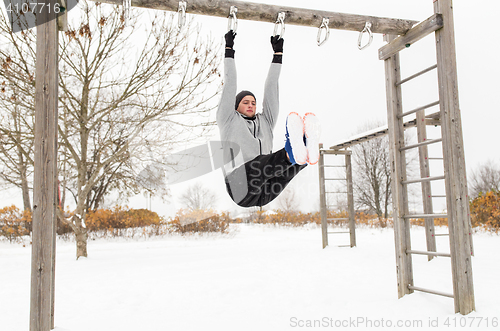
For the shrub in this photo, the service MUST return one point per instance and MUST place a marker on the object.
(14, 223)
(485, 211)
(116, 222)
(196, 221)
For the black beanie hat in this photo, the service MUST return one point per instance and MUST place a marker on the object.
(240, 97)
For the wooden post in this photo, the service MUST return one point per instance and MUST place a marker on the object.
(350, 199)
(423, 153)
(268, 13)
(322, 197)
(398, 173)
(454, 162)
(45, 177)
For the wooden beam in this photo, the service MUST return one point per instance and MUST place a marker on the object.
(457, 199)
(350, 199)
(433, 23)
(398, 174)
(268, 13)
(45, 176)
(322, 198)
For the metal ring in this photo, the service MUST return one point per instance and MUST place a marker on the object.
(232, 23)
(324, 25)
(280, 22)
(368, 30)
(182, 13)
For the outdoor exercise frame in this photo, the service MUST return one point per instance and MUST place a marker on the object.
(46, 103)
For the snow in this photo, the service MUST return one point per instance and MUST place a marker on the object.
(255, 278)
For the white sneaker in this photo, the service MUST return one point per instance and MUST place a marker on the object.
(294, 146)
(312, 129)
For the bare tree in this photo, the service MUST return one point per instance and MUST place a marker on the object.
(372, 176)
(198, 197)
(287, 201)
(127, 93)
(484, 178)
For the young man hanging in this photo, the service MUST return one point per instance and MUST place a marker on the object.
(254, 175)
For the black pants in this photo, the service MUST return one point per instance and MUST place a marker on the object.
(261, 180)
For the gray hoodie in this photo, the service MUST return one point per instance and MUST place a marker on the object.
(253, 136)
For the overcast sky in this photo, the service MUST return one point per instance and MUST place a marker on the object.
(345, 87)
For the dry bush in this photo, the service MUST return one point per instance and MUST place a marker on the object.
(14, 223)
(485, 211)
(123, 222)
(199, 221)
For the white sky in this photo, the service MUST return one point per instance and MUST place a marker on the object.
(345, 87)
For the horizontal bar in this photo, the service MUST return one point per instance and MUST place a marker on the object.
(337, 219)
(430, 291)
(426, 216)
(435, 158)
(441, 234)
(432, 104)
(344, 246)
(438, 196)
(333, 151)
(433, 23)
(428, 253)
(268, 13)
(423, 143)
(422, 180)
(337, 232)
(335, 178)
(420, 73)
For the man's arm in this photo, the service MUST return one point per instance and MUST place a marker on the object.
(271, 89)
(226, 104)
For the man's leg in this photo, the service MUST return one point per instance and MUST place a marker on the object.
(264, 177)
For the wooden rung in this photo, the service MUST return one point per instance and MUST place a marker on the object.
(430, 291)
(417, 75)
(337, 232)
(438, 196)
(422, 180)
(337, 219)
(441, 234)
(428, 253)
(423, 143)
(435, 103)
(426, 216)
(435, 158)
(344, 246)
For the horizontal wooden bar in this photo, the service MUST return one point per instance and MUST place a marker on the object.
(426, 216)
(335, 151)
(420, 73)
(338, 232)
(422, 180)
(414, 288)
(435, 158)
(441, 234)
(268, 13)
(344, 246)
(438, 196)
(433, 23)
(423, 143)
(428, 253)
(435, 103)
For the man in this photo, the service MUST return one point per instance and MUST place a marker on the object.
(254, 175)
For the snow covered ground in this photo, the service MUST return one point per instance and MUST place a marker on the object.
(257, 278)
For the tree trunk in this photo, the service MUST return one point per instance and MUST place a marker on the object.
(81, 242)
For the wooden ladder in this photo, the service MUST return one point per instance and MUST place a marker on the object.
(348, 191)
(454, 177)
